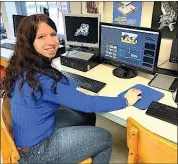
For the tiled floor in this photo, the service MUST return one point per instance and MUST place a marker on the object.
(120, 150)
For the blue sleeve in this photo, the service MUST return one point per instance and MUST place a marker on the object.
(68, 96)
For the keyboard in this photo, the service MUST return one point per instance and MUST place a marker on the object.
(84, 82)
(8, 46)
(163, 112)
(165, 71)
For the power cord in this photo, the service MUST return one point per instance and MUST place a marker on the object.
(163, 63)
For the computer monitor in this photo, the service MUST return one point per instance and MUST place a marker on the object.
(130, 48)
(16, 22)
(81, 30)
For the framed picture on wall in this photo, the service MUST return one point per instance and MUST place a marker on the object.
(165, 18)
(92, 7)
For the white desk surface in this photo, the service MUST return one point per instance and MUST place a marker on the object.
(113, 87)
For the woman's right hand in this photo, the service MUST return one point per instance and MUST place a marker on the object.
(132, 96)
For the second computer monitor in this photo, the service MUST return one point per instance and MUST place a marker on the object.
(81, 30)
(131, 47)
(17, 19)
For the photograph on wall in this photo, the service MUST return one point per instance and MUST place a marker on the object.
(127, 13)
(92, 7)
(165, 18)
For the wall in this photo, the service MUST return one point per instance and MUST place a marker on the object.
(76, 7)
(146, 19)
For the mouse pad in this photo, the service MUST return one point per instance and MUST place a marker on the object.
(148, 95)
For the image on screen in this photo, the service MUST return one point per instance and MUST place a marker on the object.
(131, 47)
(81, 29)
(129, 38)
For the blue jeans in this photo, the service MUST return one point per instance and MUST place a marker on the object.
(72, 141)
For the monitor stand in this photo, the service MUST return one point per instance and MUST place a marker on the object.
(124, 72)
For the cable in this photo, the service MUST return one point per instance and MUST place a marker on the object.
(162, 63)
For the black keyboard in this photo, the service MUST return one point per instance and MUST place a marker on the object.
(84, 82)
(8, 46)
(165, 71)
(163, 112)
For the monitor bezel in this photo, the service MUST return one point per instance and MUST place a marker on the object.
(119, 63)
(81, 44)
(13, 18)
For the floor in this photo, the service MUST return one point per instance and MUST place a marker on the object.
(120, 150)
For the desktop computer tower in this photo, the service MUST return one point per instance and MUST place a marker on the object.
(80, 64)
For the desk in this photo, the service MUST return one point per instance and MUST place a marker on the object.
(113, 87)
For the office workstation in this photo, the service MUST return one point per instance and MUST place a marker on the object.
(110, 59)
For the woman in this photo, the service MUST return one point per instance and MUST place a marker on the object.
(43, 133)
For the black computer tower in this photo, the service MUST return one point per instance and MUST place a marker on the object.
(79, 64)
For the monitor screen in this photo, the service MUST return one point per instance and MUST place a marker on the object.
(133, 47)
(81, 30)
(16, 22)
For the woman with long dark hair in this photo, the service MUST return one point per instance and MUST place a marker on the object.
(44, 133)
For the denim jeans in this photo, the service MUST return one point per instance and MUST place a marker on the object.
(73, 140)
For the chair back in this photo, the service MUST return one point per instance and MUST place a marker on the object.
(9, 151)
(147, 147)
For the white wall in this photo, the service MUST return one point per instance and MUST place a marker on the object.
(146, 19)
(76, 7)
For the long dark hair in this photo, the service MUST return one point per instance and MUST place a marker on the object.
(26, 59)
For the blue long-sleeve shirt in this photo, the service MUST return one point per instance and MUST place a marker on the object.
(33, 120)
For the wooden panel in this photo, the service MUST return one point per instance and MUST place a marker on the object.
(8, 148)
(150, 148)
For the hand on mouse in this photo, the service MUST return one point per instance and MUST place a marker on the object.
(132, 96)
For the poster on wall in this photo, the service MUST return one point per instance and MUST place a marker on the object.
(127, 13)
(165, 18)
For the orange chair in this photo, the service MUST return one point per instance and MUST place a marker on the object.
(9, 151)
(147, 147)
(2, 72)
(3, 65)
